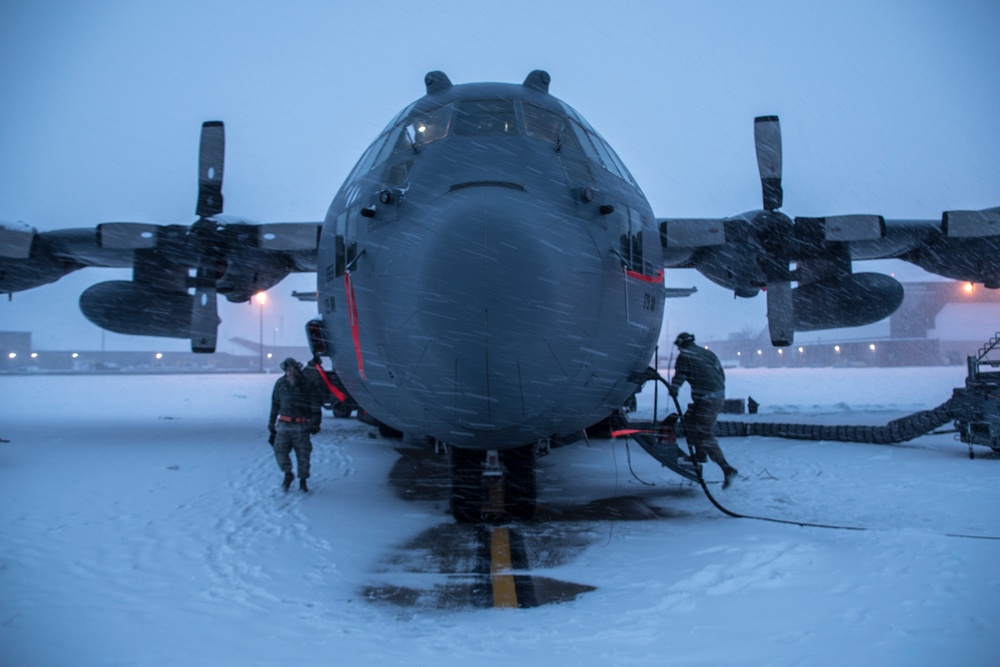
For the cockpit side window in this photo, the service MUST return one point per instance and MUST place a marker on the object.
(548, 126)
(600, 152)
(542, 124)
(586, 144)
(425, 127)
(368, 159)
(397, 143)
(486, 118)
(611, 159)
(611, 164)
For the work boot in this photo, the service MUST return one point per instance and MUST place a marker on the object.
(287, 482)
(302, 485)
(731, 474)
(698, 457)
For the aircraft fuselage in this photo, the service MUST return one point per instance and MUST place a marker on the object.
(490, 273)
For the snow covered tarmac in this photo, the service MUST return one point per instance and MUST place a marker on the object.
(142, 525)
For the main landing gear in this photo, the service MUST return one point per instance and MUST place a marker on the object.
(493, 485)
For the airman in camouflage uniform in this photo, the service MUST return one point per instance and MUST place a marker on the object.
(295, 414)
(701, 368)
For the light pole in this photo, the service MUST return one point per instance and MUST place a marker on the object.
(261, 300)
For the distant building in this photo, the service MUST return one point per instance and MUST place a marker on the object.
(18, 356)
(938, 323)
(15, 346)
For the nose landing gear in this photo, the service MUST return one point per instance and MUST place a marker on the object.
(493, 486)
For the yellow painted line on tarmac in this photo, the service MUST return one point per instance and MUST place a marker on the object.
(504, 592)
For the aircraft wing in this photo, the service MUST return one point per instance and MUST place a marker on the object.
(754, 251)
(177, 270)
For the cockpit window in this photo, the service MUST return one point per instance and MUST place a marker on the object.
(586, 144)
(486, 118)
(610, 163)
(398, 117)
(548, 126)
(542, 124)
(396, 143)
(600, 152)
(428, 126)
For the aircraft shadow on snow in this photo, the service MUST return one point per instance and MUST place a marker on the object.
(458, 566)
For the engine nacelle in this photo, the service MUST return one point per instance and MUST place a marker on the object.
(127, 308)
(850, 300)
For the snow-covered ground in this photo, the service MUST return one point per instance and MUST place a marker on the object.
(142, 524)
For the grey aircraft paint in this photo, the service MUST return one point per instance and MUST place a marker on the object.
(506, 280)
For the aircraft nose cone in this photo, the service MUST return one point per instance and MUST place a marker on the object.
(489, 298)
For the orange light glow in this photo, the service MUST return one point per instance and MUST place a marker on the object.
(261, 297)
(969, 288)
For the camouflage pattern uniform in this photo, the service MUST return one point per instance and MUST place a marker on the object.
(702, 369)
(295, 414)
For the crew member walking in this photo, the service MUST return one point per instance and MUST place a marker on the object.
(295, 414)
(701, 368)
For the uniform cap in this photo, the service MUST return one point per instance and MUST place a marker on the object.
(684, 339)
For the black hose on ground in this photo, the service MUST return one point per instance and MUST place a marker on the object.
(896, 431)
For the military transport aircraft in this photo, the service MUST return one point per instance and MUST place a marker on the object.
(490, 275)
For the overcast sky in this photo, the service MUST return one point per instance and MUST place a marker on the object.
(886, 107)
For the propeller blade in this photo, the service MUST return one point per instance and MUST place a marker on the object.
(211, 161)
(780, 313)
(204, 308)
(767, 137)
(204, 321)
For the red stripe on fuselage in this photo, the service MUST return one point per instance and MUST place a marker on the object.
(658, 278)
(352, 310)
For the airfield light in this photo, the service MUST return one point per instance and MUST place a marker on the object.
(801, 350)
(872, 347)
(739, 354)
(75, 355)
(12, 355)
(760, 352)
(780, 351)
(969, 288)
(261, 300)
(836, 348)
(269, 355)
(34, 355)
(159, 355)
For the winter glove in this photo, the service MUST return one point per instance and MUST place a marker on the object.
(314, 429)
(270, 440)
